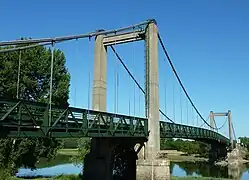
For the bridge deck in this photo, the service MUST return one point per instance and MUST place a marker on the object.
(20, 118)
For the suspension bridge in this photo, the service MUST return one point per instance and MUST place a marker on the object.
(20, 117)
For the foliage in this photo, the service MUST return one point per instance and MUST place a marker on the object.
(5, 174)
(196, 178)
(84, 146)
(67, 152)
(70, 143)
(190, 147)
(33, 86)
(244, 142)
(60, 177)
(69, 177)
(34, 75)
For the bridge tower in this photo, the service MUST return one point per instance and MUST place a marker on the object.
(150, 167)
(228, 114)
(211, 117)
(151, 90)
(101, 155)
(99, 78)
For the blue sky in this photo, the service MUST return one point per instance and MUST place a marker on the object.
(207, 40)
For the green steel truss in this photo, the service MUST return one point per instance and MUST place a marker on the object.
(170, 130)
(30, 119)
(20, 118)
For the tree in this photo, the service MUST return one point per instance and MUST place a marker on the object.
(34, 75)
(33, 86)
(190, 147)
(84, 145)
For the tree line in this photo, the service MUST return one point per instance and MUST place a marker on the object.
(189, 147)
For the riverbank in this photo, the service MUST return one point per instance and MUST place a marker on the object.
(68, 152)
(181, 165)
(77, 177)
(61, 177)
(196, 178)
(177, 156)
(172, 155)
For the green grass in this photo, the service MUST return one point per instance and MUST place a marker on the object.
(77, 177)
(68, 152)
(196, 178)
(61, 177)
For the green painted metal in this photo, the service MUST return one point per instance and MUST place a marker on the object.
(20, 118)
(170, 130)
(30, 119)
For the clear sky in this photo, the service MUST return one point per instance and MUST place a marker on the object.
(208, 42)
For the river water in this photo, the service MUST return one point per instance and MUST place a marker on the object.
(62, 165)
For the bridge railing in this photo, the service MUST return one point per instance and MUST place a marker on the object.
(19, 118)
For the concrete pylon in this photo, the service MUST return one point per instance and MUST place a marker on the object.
(152, 93)
(99, 78)
(211, 117)
(97, 163)
(230, 130)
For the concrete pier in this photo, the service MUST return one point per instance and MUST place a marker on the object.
(156, 169)
(111, 158)
(98, 164)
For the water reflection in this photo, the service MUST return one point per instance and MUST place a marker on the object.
(62, 165)
(59, 159)
(50, 171)
(208, 170)
(201, 169)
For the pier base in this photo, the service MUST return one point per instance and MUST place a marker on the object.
(111, 159)
(156, 169)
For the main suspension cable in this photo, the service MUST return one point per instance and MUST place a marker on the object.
(71, 37)
(23, 47)
(180, 82)
(139, 86)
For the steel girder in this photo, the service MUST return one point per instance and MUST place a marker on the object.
(20, 118)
